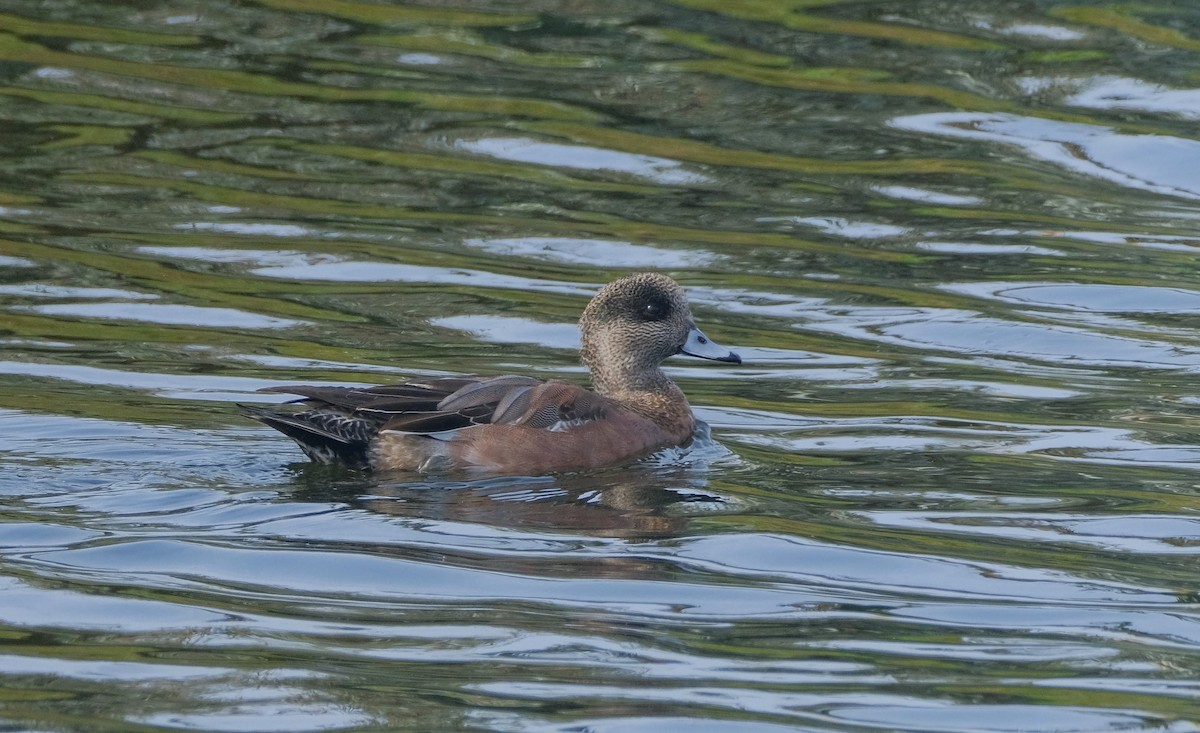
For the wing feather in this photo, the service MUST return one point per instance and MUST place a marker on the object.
(488, 392)
(513, 405)
(340, 423)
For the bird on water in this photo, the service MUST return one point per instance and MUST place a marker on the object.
(519, 424)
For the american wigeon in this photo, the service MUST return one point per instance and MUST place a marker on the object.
(517, 424)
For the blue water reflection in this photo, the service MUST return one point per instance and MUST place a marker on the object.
(952, 486)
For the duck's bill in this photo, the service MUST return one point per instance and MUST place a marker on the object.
(698, 344)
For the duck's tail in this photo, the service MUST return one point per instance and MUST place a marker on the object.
(324, 437)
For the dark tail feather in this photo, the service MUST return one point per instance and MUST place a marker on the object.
(314, 435)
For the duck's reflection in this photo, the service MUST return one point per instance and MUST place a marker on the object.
(634, 503)
(647, 500)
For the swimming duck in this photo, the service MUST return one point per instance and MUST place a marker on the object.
(518, 424)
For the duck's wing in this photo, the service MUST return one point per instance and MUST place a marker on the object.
(450, 404)
(507, 400)
(554, 406)
(410, 396)
(337, 424)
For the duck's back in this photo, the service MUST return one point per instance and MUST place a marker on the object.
(509, 424)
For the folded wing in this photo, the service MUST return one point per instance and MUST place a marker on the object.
(338, 424)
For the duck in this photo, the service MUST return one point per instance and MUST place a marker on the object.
(513, 424)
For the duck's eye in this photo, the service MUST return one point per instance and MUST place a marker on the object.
(653, 310)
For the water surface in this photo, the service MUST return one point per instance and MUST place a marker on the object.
(953, 487)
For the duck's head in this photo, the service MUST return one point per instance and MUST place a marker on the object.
(635, 323)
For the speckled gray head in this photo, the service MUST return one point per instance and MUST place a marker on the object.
(634, 323)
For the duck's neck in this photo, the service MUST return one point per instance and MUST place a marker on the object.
(617, 371)
(647, 391)
(616, 382)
